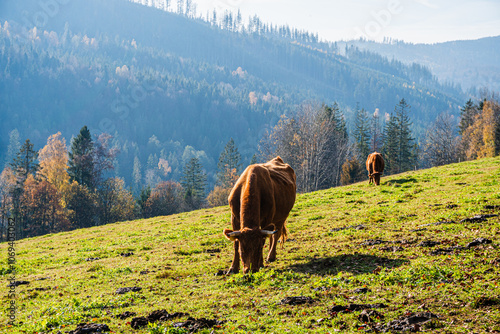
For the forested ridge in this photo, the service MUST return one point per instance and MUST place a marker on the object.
(187, 82)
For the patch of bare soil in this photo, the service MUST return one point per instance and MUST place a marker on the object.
(155, 316)
(478, 218)
(428, 243)
(193, 325)
(296, 300)
(84, 328)
(392, 249)
(478, 241)
(353, 227)
(121, 291)
(447, 251)
(17, 283)
(411, 322)
(372, 242)
(125, 315)
(353, 307)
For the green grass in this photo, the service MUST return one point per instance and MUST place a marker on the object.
(176, 258)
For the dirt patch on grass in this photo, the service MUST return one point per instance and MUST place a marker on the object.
(411, 322)
(428, 243)
(84, 328)
(353, 307)
(125, 315)
(121, 291)
(478, 218)
(193, 325)
(155, 316)
(478, 241)
(352, 227)
(296, 300)
(355, 263)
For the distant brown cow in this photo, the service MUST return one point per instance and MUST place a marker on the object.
(260, 202)
(375, 167)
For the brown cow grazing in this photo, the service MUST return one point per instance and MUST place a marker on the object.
(260, 202)
(375, 167)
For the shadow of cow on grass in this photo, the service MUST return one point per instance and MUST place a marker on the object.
(354, 263)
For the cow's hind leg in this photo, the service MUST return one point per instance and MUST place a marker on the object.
(271, 257)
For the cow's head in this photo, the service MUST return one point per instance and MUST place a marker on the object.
(251, 243)
(376, 178)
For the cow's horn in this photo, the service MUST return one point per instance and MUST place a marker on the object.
(266, 232)
(234, 234)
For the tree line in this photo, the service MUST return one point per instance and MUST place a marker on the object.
(57, 189)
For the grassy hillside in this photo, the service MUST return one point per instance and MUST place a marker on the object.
(374, 239)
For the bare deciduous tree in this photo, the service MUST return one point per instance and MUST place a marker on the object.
(313, 143)
(442, 143)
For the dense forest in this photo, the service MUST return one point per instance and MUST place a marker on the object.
(165, 97)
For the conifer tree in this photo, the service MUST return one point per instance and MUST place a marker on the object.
(193, 181)
(81, 159)
(390, 146)
(229, 162)
(467, 114)
(25, 162)
(361, 133)
(399, 147)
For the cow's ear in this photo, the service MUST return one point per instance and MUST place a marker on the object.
(230, 234)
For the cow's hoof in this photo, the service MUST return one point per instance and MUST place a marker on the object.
(231, 271)
(269, 260)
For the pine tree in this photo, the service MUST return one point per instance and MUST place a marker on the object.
(390, 146)
(467, 114)
(361, 133)
(193, 181)
(25, 162)
(399, 149)
(407, 147)
(81, 159)
(229, 162)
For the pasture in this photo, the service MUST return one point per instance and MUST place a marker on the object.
(421, 252)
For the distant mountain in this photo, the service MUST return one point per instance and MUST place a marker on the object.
(470, 63)
(170, 87)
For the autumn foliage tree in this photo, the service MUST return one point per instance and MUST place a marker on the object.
(482, 137)
(53, 159)
(165, 199)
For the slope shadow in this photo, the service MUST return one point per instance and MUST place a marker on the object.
(401, 181)
(353, 263)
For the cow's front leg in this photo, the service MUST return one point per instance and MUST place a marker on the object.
(235, 266)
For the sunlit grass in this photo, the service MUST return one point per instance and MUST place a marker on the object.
(331, 252)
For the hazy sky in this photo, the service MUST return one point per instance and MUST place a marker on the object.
(418, 21)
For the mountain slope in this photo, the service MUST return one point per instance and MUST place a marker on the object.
(472, 64)
(170, 87)
(405, 242)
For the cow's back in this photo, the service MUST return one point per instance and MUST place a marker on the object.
(263, 191)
